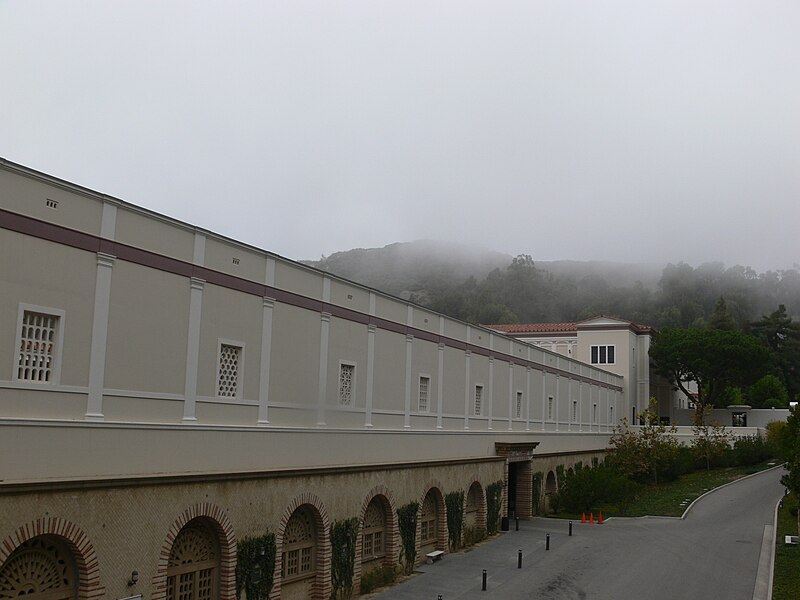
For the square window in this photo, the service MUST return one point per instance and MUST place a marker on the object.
(38, 344)
(347, 377)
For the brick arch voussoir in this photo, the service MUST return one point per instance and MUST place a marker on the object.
(227, 545)
(322, 581)
(82, 549)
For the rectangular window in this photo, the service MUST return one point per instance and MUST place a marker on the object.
(574, 411)
(611, 415)
(347, 378)
(478, 399)
(518, 411)
(549, 408)
(38, 344)
(230, 364)
(603, 355)
(424, 387)
(594, 413)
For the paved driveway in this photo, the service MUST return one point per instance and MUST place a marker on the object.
(713, 553)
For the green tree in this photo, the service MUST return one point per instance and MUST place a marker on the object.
(768, 392)
(781, 335)
(711, 441)
(644, 451)
(721, 318)
(712, 358)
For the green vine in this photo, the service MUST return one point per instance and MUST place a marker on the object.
(538, 477)
(255, 566)
(407, 523)
(494, 502)
(455, 517)
(579, 466)
(560, 474)
(343, 557)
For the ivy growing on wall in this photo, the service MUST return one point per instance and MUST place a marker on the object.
(255, 566)
(560, 474)
(538, 478)
(407, 523)
(494, 502)
(455, 517)
(343, 557)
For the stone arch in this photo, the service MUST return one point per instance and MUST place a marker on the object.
(321, 586)
(570, 472)
(76, 541)
(218, 522)
(550, 487)
(436, 527)
(391, 547)
(475, 506)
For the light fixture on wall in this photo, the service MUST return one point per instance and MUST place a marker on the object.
(134, 578)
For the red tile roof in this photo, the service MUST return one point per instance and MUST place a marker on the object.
(534, 327)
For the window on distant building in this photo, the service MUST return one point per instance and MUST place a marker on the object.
(549, 408)
(38, 345)
(611, 415)
(594, 413)
(603, 355)
(518, 411)
(478, 399)
(230, 365)
(347, 383)
(574, 411)
(424, 392)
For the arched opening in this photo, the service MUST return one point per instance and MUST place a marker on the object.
(299, 555)
(550, 487)
(432, 532)
(474, 514)
(570, 472)
(41, 568)
(375, 534)
(193, 566)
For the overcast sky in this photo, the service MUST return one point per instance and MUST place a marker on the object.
(636, 131)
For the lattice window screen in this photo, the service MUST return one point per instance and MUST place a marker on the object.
(478, 399)
(229, 364)
(424, 387)
(37, 347)
(346, 379)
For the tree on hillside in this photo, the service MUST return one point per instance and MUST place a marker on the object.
(782, 336)
(713, 358)
(721, 318)
(768, 392)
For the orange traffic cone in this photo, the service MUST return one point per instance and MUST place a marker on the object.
(583, 517)
(591, 518)
(600, 518)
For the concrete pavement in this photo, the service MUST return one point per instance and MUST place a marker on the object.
(713, 553)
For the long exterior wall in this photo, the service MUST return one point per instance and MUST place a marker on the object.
(182, 374)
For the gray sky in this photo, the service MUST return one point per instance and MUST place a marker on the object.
(634, 131)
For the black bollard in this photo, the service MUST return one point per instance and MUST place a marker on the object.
(483, 587)
(439, 597)
(570, 529)
(519, 559)
(547, 543)
(517, 519)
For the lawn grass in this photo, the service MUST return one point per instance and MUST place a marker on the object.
(786, 583)
(668, 499)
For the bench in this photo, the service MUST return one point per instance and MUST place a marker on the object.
(434, 556)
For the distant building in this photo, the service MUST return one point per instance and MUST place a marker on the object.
(611, 343)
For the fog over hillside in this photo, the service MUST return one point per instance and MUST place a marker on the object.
(483, 286)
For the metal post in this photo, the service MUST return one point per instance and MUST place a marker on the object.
(570, 529)
(519, 559)
(483, 588)
(517, 519)
(439, 597)
(547, 544)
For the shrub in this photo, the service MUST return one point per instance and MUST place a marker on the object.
(455, 518)
(778, 439)
(407, 522)
(473, 535)
(255, 563)
(750, 450)
(378, 578)
(343, 556)
(587, 488)
(494, 502)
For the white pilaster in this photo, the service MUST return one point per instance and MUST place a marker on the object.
(266, 360)
(193, 347)
(557, 394)
(370, 374)
(528, 396)
(491, 390)
(325, 327)
(511, 397)
(544, 397)
(407, 396)
(440, 388)
(97, 356)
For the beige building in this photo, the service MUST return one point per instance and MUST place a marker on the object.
(613, 344)
(167, 392)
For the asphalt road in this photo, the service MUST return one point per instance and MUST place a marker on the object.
(713, 553)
